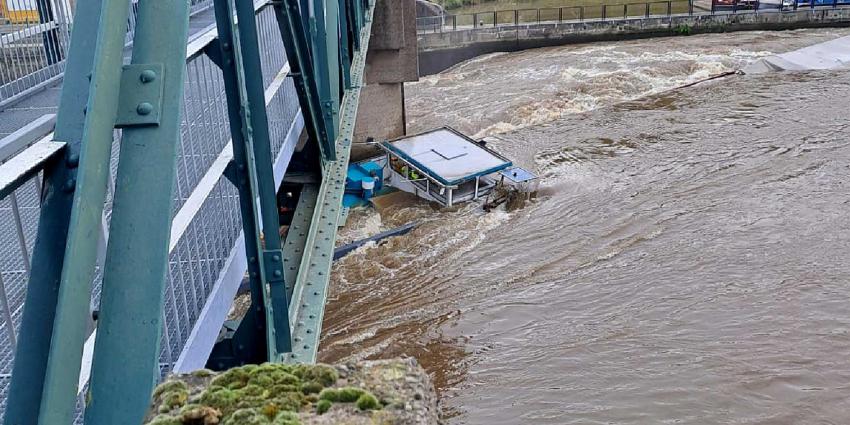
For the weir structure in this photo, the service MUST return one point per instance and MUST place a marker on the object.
(187, 133)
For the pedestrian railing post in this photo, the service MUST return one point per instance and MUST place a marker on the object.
(604, 11)
(647, 10)
(560, 14)
(669, 9)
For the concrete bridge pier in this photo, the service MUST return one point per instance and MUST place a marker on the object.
(392, 60)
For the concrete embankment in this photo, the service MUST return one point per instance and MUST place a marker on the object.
(439, 51)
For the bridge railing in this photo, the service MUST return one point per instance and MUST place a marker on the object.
(206, 260)
(34, 44)
(612, 12)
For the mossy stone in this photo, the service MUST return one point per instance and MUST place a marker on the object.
(165, 420)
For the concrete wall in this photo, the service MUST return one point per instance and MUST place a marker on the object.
(439, 51)
(391, 61)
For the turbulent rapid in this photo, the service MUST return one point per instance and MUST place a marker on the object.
(685, 261)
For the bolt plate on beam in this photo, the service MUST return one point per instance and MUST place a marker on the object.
(140, 102)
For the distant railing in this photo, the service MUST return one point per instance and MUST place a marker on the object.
(612, 12)
(33, 45)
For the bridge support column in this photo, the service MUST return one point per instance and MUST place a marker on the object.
(392, 60)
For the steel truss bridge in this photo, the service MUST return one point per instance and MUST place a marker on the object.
(130, 218)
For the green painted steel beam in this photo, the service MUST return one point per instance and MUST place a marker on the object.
(344, 54)
(72, 309)
(296, 40)
(278, 338)
(125, 365)
(239, 57)
(296, 235)
(311, 287)
(222, 54)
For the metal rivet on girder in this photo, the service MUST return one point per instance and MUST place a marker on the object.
(309, 331)
(253, 259)
(276, 258)
(144, 108)
(306, 347)
(147, 76)
(73, 161)
(277, 273)
(69, 185)
(253, 274)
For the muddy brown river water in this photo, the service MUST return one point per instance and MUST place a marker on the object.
(686, 262)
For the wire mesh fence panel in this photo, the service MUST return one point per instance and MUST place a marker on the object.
(506, 17)
(574, 13)
(528, 16)
(549, 14)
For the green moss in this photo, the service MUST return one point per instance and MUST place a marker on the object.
(247, 417)
(173, 399)
(323, 374)
(312, 388)
(202, 373)
(367, 401)
(220, 398)
(253, 390)
(349, 394)
(322, 406)
(165, 420)
(169, 386)
(329, 394)
(286, 418)
(289, 401)
(233, 379)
